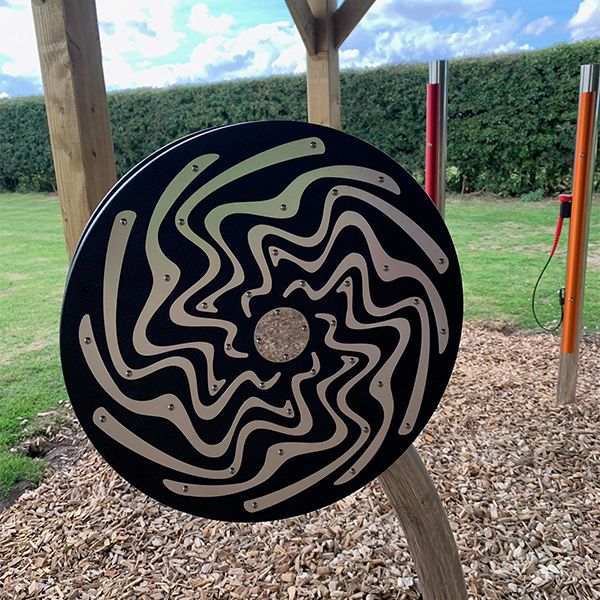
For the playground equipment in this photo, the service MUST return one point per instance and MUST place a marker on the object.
(70, 56)
(583, 175)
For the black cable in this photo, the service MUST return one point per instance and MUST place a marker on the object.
(561, 300)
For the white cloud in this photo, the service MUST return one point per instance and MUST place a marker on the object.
(138, 28)
(20, 54)
(203, 22)
(538, 26)
(4, 95)
(585, 23)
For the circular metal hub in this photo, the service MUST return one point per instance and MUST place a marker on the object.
(302, 237)
(281, 335)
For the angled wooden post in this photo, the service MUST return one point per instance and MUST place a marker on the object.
(407, 484)
(76, 106)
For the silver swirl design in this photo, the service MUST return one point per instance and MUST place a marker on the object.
(260, 434)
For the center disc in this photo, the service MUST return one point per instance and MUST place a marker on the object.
(281, 335)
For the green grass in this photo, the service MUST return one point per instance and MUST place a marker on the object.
(502, 246)
(32, 273)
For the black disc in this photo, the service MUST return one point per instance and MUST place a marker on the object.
(259, 319)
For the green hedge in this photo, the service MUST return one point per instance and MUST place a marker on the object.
(512, 119)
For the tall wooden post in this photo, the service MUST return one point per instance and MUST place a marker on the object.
(407, 484)
(583, 175)
(76, 105)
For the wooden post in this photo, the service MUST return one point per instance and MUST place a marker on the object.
(583, 175)
(76, 105)
(323, 68)
(407, 484)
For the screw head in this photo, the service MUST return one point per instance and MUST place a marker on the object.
(123, 221)
(441, 261)
(171, 407)
(289, 411)
(232, 470)
(286, 356)
(313, 144)
(185, 488)
(181, 221)
(280, 451)
(380, 384)
(248, 294)
(254, 505)
(443, 331)
(302, 283)
(333, 322)
(353, 471)
(380, 179)
(102, 418)
(335, 192)
(283, 207)
(258, 340)
(275, 252)
(416, 301)
(214, 387)
(407, 425)
(128, 373)
(304, 327)
(347, 283)
(352, 360)
(386, 267)
(87, 340)
(276, 311)
(204, 305)
(227, 346)
(313, 371)
(261, 384)
(195, 168)
(366, 429)
(167, 277)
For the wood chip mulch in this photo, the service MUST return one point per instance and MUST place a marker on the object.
(518, 475)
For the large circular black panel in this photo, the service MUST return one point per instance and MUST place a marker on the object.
(259, 319)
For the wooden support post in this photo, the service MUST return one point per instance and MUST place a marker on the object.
(347, 17)
(323, 69)
(583, 175)
(76, 105)
(406, 483)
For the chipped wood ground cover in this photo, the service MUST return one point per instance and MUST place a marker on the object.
(518, 475)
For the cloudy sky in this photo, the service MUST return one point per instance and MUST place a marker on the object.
(156, 43)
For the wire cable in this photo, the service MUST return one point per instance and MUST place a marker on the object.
(561, 300)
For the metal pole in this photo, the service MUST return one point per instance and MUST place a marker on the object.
(437, 132)
(583, 175)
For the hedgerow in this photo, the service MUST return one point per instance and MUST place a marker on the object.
(512, 119)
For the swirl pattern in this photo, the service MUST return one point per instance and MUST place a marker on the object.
(259, 319)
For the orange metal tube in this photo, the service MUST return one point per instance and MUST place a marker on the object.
(577, 233)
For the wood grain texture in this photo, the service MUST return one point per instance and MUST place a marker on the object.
(347, 17)
(323, 69)
(76, 106)
(425, 523)
(305, 22)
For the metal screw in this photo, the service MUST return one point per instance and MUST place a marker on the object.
(276, 311)
(352, 360)
(261, 384)
(313, 371)
(571, 299)
(128, 373)
(227, 346)
(335, 192)
(366, 429)
(441, 261)
(214, 387)
(416, 301)
(274, 252)
(258, 340)
(232, 470)
(289, 411)
(204, 305)
(248, 294)
(347, 283)
(102, 418)
(353, 471)
(333, 322)
(280, 451)
(286, 356)
(386, 267)
(283, 207)
(304, 327)
(380, 179)
(380, 384)
(302, 283)
(185, 488)
(443, 331)
(87, 340)
(407, 425)
(167, 277)
(181, 221)
(195, 168)
(171, 407)
(254, 505)
(313, 144)
(123, 221)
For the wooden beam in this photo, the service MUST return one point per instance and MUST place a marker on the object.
(76, 106)
(323, 69)
(305, 22)
(347, 17)
(412, 493)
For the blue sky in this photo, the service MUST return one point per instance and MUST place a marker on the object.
(159, 43)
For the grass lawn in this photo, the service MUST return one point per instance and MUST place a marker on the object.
(502, 246)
